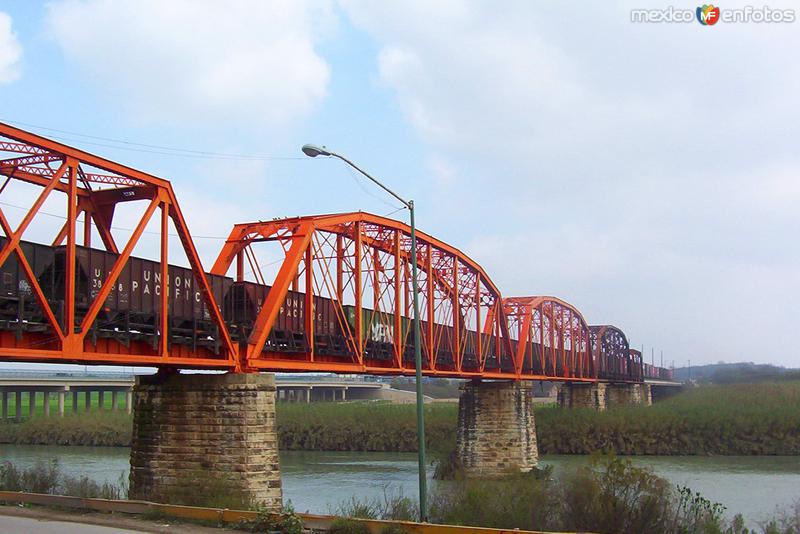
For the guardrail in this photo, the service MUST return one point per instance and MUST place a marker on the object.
(223, 515)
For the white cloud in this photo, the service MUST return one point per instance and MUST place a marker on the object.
(646, 172)
(199, 61)
(10, 51)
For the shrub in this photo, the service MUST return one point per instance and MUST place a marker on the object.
(526, 501)
(610, 496)
(47, 477)
(390, 506)
(287, 522)
(348, 526)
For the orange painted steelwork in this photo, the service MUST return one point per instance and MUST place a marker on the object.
(553, 337)
(353, 258)
(78, 175)
(360, 263)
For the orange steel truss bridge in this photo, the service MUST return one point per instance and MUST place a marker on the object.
(328, 293)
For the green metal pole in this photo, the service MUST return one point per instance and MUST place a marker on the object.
(314, 151)
(423, 481)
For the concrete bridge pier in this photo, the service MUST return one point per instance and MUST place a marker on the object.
(496, 430)
(206, 439)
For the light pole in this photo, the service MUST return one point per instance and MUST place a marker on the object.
(313, 151)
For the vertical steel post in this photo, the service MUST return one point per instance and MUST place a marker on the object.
(423, 481)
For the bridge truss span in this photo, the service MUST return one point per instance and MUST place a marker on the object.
(551, 338)
(611, 350)
(354, 271)
(54, 308)
(326, 293)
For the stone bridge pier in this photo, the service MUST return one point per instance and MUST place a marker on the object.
(496, 429)
(200, 439)
(601, 395)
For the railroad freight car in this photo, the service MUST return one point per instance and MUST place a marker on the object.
(131, 312)
(19, 308)
(657, 373)
(132, 309)
(244, 301)
(378, 330)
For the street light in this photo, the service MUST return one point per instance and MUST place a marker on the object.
(313, 151)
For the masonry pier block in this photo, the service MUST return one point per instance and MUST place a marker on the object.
(205, 440)
(601, 395)
(627, 394)
(583, 395)
(496, 429)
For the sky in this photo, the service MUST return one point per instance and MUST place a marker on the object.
(645, 172)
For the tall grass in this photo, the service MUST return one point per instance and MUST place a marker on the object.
(97, 428)
(737, 419)
(361, 426)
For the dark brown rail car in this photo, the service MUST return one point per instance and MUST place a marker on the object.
(19, 308)
(243, 304)
(132, 309)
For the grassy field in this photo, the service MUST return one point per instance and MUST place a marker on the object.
(762, 418)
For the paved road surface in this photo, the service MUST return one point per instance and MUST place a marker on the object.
(30, 525)
(40, 520)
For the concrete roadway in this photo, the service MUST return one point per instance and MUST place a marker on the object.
(30, 525)
(40, 520)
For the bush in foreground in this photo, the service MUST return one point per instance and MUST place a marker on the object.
(610, 496)
(48, 477)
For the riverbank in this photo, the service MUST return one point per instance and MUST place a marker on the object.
(738, 419)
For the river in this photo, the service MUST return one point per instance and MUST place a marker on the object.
(319, 481)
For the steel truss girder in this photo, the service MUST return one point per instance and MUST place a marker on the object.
(365, 259)
(469, 330)
(610, 348)
(551, 336)
(66, 340)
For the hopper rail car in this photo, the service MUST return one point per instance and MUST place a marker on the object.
(131, 311)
